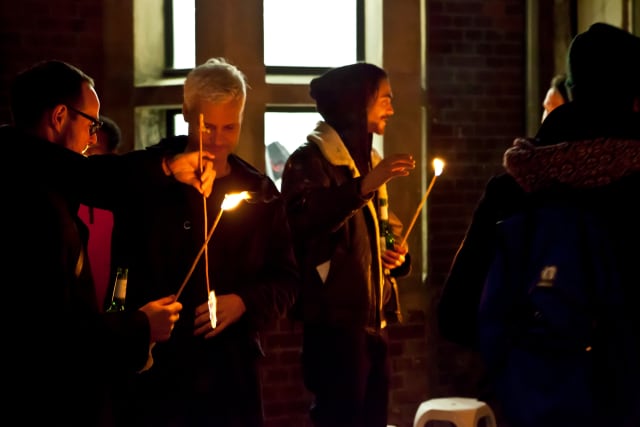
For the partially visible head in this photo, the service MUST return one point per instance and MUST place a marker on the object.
(109, 137)
(556, 95)
(217, 90)
(58, 102)
(347, 96)
(277, 155)
(604, 68)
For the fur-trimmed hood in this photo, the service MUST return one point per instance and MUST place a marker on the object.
(577, 148)
(332, 147)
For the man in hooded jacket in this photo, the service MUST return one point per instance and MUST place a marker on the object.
(331, 186)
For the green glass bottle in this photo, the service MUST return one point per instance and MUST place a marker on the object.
(387, 239)
(119, 291)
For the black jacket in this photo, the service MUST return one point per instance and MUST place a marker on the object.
(580, 156)
(59, 350)
(577, 153)
(336, 236)
(157, 236)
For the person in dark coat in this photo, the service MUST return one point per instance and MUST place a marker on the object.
(332, 186)
(586, 150)
(60, 351)
(207, 375)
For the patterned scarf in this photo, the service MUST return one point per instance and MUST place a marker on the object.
(581, 164)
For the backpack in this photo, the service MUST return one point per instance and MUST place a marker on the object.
(550, 322)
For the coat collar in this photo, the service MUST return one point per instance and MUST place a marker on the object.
(332, 147)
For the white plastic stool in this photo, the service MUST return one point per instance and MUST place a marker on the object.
(461, 411)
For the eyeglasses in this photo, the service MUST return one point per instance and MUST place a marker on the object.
(95, 123)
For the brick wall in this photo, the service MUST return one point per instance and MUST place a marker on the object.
(475, 100)
(475, 87)
(34, 30)
(287, 402)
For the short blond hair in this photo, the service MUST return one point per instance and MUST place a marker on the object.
(216, 80)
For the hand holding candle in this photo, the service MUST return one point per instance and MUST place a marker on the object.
(438, 166)
(229, 308)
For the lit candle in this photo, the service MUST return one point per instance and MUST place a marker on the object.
(229, 202)
(438, 166)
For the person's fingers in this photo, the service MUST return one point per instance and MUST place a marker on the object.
(167, 300)
(207, 179)
(202, 309)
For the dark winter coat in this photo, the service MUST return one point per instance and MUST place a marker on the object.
(582, 155)
(335, 234)
(59, 350)
(157, 236)
(580, 149)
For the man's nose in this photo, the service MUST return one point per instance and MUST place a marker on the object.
(214, 136)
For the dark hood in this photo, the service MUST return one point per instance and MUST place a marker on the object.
(341, 96)
(603, 66)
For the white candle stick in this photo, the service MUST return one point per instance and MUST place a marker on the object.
(212, 309)
(203, 129)
(438, 166)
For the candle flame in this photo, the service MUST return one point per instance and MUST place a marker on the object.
(233, 199)
(438, 166)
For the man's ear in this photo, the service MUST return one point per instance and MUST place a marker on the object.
(57, 117)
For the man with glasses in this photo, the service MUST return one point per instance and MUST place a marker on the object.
(59, 349)
(96, 124)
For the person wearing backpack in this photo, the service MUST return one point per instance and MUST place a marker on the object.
(586, 158)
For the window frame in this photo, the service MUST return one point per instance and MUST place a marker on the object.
(170, 115)
(169, 71)
(271, 70)
(282, 70)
